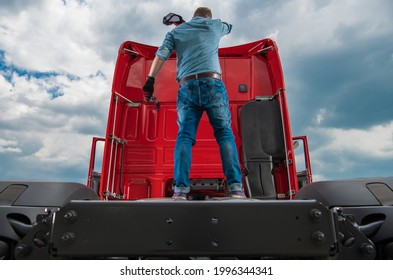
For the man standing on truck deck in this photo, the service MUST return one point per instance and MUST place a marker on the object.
(200, 89)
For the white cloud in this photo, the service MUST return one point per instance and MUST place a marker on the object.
(320, 116)
(67, 149)
(375, 142)
(343, 151)
(5, 86)
(324, 114)
(307, 27)
(51, 133)
(9, 149)
(30, 98)
(8, 146)
(50, 36)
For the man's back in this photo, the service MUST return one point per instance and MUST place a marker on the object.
(196, 43)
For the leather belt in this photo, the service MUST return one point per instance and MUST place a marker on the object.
(201, 75)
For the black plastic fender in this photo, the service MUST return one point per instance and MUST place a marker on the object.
(22, 201)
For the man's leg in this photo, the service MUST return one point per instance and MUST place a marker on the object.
(188, 117)
(220, 119)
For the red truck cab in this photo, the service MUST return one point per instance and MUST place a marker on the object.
(140, 137)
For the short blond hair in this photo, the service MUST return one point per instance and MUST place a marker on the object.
(204, 12)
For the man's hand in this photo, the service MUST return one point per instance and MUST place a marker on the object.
(148, 88)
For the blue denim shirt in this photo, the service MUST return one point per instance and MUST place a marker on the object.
(196, 45)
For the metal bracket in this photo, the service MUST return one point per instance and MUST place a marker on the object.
(352, 243)
(264, 51)
(117, 139)
(37, 244)
(268, 97)
(112, 195)
(131, 52)
(286, 195)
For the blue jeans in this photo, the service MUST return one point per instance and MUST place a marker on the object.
(195, 97)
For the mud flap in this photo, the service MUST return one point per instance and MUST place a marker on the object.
(263, 144)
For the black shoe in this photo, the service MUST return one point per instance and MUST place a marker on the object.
(179, 196)
(236, 194)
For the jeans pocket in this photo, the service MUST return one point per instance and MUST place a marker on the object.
(218, 97)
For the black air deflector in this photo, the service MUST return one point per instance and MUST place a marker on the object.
(42, 193)
(351, 192)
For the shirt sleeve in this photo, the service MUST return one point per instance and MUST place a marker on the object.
(167, 47)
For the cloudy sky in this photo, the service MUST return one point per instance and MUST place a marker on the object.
(57, 59)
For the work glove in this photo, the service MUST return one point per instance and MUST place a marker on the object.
(148, 88)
